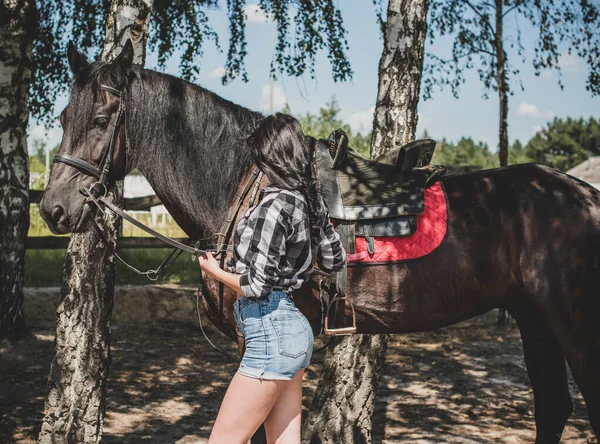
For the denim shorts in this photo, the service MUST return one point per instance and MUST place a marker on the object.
(278, 338)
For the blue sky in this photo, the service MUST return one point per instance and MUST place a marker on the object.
(442, 116)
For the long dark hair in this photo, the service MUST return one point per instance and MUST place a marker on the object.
(279, 148)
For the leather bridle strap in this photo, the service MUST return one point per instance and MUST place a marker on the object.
(80, 164)
(101, 171)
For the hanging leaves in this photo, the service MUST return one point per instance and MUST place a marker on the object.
(562, 26)
(304, 27)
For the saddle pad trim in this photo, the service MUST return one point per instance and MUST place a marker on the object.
(432, 227)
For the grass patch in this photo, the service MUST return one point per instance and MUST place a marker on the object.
(44, 268)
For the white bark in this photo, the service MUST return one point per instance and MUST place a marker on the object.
(342, 409)
(75, 405)
(17, 28)
(400, 69)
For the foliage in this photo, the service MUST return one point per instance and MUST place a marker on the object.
(468, 152)
(563, 144)
(183, 26)
(561, 24)
(322, 124)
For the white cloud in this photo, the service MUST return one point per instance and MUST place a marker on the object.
(531, 110)
(254, 14)
(362, 121)
(569, 63)
(272, 94)
(217, 73)
(537, 128)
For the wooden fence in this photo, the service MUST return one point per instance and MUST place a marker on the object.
(133, 204)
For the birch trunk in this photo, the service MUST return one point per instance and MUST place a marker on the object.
(17, 28)
(75, 405)
(342, 409)
(502, 86)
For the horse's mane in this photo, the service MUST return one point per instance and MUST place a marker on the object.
(187, 141)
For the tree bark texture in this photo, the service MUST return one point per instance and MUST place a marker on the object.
(502, 85)
(400, 70)
(342, 409)
(75, 405)
(17, 29)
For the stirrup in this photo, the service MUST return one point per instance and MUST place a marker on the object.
(344, 330)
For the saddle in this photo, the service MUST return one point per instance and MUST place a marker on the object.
(372, 199)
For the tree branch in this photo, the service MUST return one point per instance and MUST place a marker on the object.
(476, 11)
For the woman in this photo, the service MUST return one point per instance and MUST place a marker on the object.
(275, 246)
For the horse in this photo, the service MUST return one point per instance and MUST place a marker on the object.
(523, 237)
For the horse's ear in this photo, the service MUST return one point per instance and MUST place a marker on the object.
(77, 61)
(125, 58)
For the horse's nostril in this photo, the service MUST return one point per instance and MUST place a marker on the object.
(58, 214)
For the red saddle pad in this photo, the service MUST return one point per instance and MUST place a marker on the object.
(431, 230)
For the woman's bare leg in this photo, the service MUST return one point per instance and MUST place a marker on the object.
(283, 422)
(247, 403)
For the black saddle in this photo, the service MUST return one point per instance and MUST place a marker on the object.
(357, 188)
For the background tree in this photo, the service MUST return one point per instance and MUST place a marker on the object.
(564, 143)
(480, 42)
(322, 124)
(342, 409)
(17, 29)
(75, 405)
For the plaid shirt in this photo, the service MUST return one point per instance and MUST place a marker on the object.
(273, 248)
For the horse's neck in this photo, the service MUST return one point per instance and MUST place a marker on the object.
(197, 166)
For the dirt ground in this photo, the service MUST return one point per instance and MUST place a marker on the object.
(462, 384)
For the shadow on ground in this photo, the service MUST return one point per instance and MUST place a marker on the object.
(463, 384)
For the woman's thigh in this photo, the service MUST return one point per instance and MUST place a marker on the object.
(283, 423)
(247, 403)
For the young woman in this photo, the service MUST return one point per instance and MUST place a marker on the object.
(276, 244)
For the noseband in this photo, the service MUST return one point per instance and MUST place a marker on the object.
(101, 171)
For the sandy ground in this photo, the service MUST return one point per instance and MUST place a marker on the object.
(462, 384)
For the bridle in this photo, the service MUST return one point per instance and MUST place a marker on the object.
(101, 171)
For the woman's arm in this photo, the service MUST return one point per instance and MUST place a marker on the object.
(331, 255)
(211, 267)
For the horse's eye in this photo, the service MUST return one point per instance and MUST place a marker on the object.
(102, 122)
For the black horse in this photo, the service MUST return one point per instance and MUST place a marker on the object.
(525, 237)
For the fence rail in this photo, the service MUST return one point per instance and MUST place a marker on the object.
(143, 203)
(61, 242)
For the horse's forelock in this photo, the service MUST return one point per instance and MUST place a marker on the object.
(85, 91)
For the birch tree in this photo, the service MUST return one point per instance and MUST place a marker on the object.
(75, 405)
(342, 409)
(17, 30)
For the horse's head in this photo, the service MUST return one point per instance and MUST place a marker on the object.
(92, 151)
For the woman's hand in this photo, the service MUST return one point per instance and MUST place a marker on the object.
(209, 264)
